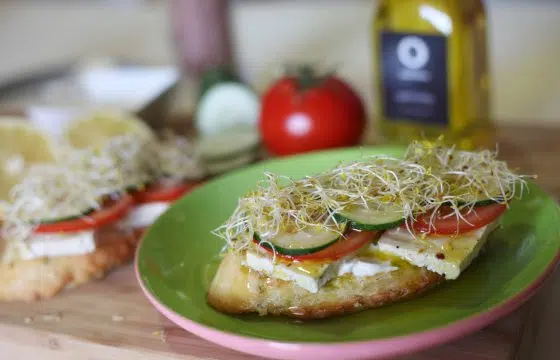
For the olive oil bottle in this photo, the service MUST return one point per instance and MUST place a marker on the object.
(431, 72)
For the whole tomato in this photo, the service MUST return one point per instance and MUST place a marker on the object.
(303, 112)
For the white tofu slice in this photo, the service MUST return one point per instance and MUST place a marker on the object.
(308, 276)
(313, 276)
(145, 215)
(445, 255)
(79, 243)
(361, 267)
(49, 245)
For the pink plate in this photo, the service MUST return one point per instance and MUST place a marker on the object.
(374, 349)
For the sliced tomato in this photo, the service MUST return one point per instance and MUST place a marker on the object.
(346, 245)
(160, 192)
(112, 211)
(445, 222)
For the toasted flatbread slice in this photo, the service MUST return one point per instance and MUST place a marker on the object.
(31, 280)
(237, 289)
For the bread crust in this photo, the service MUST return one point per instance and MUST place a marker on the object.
(32, 280)
(236, 289)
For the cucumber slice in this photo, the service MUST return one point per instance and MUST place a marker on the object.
(481, 202)
(66, 218)
(300, 243)
(226, 106)
(136, 187)
(219, 167)
(361, 218)
(231, 145)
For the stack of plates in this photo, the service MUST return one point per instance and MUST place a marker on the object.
(226, 120)
(229, 150)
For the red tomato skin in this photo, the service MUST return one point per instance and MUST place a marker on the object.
(105, 216)
(477, 218)
(329, 115)
(163, 193)
(353, 241)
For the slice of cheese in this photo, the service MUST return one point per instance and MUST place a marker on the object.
(361, 267)
(309, 276)
(145, 215)
(312, 276)
(445, 255)
(49, 245)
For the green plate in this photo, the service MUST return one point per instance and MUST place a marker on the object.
(177, 260)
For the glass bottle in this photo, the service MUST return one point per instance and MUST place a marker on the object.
(431, 72)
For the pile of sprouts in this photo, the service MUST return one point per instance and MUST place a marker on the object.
(174, 157)
(429, 176)
(83, 179)
(467, 176)
(46, 193)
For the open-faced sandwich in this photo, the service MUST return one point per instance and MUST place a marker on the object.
(74, 208)
(361, 235)
(155, 169)
(174, 168)
(60, 230)
(62, 221)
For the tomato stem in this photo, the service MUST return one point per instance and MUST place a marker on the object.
(307, 77)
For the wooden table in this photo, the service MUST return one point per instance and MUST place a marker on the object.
(111, 319)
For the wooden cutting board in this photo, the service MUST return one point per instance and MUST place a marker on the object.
(111, 319)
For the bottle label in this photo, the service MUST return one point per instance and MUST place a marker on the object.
(414, 78)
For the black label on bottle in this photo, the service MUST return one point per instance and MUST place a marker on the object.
(414, 78)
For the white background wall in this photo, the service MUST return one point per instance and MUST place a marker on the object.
(524, 42)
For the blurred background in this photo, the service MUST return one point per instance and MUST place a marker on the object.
(148, 56)
(37, 37)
